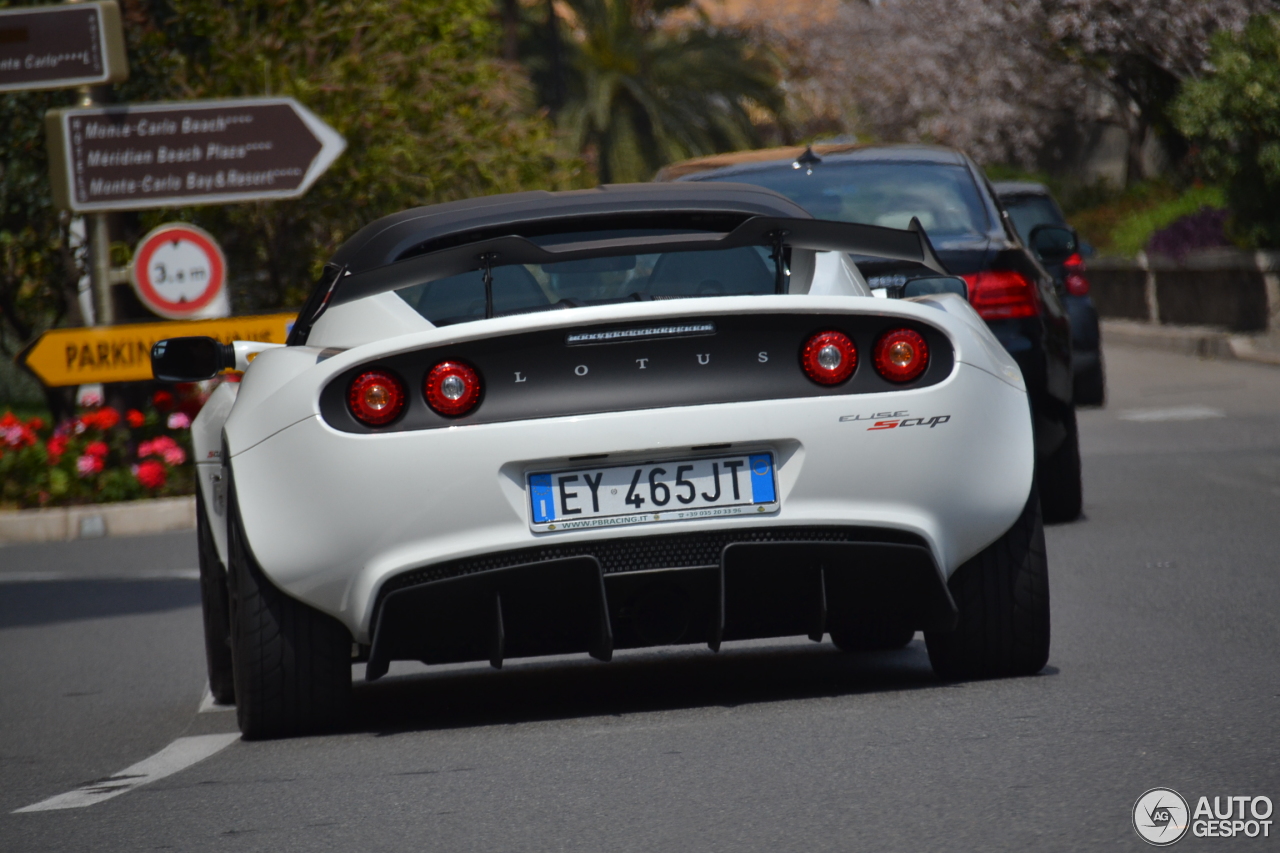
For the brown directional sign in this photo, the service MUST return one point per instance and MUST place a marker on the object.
(139, 156)
(53, 47)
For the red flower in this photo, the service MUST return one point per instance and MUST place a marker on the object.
(162, 400)
(134, 418)
(35, 424)
(56, 447)
(103, 419)
(97, 448)
(150, 474)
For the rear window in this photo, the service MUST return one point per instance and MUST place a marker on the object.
(524, 288)
(943, 197)
(1028, 211)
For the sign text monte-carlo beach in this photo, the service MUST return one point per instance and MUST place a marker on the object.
(143, 156)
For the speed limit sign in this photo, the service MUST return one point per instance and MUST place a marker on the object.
(179, 272)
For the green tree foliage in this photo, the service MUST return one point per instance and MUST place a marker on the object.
(1233, 117)
(428, 112)
(642, 91)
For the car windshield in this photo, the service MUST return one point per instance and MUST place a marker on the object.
(943, 197)
(1028, 211)
(524, 288)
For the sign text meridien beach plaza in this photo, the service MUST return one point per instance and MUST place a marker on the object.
(198, 152)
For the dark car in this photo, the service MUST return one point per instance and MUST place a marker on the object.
(1030, 206)
(951, 198)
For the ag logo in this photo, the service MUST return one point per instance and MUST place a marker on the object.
(1160, 816)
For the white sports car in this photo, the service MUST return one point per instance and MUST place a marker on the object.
(550, 423)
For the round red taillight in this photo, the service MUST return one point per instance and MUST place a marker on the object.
(829, 358)
(452, 388)
(376, 397)
(901, 355)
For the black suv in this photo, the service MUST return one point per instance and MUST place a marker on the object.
(972, 236)
(1031, 206)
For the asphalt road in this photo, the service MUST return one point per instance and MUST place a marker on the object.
(1163, 673)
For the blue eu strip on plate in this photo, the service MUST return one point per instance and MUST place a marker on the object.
(762, 479)
(544, 502)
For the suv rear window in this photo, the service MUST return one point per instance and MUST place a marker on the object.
(1028, 211)
(943, 197)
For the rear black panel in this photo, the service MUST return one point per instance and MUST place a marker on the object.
(540, 374)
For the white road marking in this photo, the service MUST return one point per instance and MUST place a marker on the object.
(1176, 413)
(179, 755)
(149, 575)
(207, 705)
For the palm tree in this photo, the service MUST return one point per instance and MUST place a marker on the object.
(640, 94)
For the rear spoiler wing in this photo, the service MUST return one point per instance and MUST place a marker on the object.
(820, 235)
(779, 233)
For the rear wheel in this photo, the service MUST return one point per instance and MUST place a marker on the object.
(871, 636)
(1058, 475)
(292, 662)
(213, 603)
(1003, 597)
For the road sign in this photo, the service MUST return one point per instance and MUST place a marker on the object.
(179, 272)
(54, 47)
(123, 353)
(140, 156)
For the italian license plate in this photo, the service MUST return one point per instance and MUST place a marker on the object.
(654, 491)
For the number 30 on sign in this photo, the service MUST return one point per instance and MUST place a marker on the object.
(179, 272)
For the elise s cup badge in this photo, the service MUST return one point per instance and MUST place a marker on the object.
(893, 420)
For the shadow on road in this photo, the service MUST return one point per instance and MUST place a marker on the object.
(691, 678)
(48, 602)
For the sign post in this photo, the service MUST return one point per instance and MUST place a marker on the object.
(58, 47)
(140, 156)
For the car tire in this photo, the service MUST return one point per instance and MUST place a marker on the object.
(292, 663)
(871, 637)
(1091, 386)
(1003, 598)
(1058, 475)
(216, 610)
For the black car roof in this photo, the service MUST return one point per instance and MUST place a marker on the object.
(1015, 188)
(755, 161)
(424, 229)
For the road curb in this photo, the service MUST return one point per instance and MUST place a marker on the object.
(1202, 341)
(130, 518)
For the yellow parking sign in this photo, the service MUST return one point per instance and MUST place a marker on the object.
(123, 353)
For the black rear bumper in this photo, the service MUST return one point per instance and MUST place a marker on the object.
(563, 603)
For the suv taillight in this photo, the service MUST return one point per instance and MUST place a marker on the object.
(1002, 295)
(1073, 278)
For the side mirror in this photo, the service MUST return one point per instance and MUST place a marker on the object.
(190, 359)
(1053, 244)
(936, 284)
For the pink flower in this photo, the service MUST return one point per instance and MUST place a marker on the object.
(150, 474)
(179, 420)
(91, 401)
(87, 465)
(174, 455)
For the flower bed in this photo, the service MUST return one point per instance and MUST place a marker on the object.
(102, 455)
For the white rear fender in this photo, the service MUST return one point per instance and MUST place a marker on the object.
(206, 442)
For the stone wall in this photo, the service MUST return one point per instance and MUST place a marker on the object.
(1229, 289)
